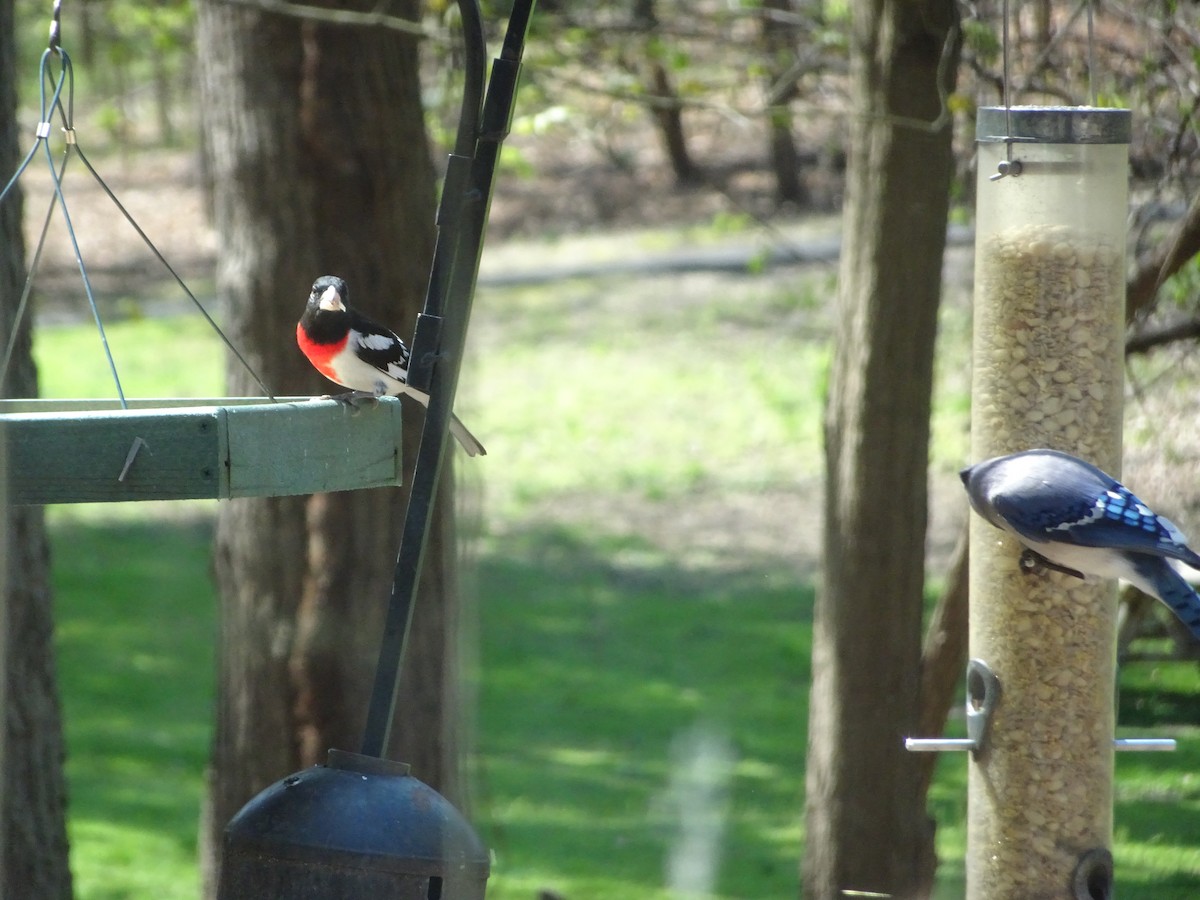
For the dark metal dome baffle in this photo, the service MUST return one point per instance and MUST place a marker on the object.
(362, 828)
(357, 827)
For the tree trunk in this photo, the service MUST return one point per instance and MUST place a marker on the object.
(665, 105)
(780, 37)
(320, 164)
(33, 795)
(866, 829)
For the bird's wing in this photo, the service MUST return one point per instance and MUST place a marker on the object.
(1036, 514)
(1114, 518)
(384, 351)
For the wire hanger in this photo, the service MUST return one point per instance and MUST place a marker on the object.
(57, 98)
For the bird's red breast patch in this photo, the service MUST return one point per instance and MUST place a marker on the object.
(321, 355)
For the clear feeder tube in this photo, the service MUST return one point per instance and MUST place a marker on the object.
(1048, 372)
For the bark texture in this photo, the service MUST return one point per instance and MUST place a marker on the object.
(33, 794)
(866, 825)
(320, 165)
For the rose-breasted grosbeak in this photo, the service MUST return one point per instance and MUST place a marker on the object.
(355, 352)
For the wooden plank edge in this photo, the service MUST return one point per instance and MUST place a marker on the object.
(385, 431)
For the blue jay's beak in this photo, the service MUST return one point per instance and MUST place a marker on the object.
(965, 475)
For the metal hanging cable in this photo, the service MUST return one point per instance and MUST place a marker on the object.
(52, 103)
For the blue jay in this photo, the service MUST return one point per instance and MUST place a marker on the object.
(1074, 518)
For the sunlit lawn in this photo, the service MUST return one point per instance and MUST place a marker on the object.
(623, 692)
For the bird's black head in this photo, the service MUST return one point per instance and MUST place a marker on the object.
(326, 316)
(329, 294)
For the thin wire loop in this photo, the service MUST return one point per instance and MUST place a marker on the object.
(175, 275)
(68, 75)
(27, 290)
(1007, 166)
(1007, 89)
(51, 97)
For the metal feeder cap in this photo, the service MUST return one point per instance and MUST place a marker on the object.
(1053, 125)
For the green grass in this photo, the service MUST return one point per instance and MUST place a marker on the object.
(579, 783)
(599, 683)
(665, 389)
(177, 356)
(619, 675)
(135, 652)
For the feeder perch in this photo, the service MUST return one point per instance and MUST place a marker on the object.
(88, 451)
(983, 693)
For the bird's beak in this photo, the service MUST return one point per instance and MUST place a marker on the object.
(965, 475)
(331, 300)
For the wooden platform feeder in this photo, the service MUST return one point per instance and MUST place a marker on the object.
(92, 451)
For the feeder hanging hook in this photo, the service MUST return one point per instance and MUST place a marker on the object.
(55, 28)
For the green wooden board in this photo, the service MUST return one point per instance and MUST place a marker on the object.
(83, 451)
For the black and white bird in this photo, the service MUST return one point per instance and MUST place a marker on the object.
(1082, 521)
(351, 350)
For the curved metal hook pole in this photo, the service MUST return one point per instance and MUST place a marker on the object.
(439, 341)
(474, 77)
(458, 170)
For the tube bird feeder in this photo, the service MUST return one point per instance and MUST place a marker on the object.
(1048, 354)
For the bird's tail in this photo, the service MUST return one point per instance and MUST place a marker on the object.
(1174, 590)
(469, 442)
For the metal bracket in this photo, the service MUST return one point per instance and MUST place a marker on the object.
(1005, 168)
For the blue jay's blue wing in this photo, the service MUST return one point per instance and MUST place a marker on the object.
(1105, 514)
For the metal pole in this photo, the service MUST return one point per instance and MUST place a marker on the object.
(1048, 355)
(441, 334)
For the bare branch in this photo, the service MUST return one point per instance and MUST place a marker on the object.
(1155, 268)
(1148, 340)
(346, 17)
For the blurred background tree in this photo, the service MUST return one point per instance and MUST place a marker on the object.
(33, 793)
(862, 788)
(319, 164)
